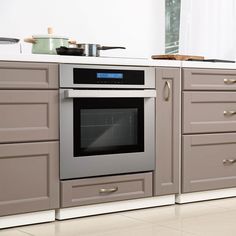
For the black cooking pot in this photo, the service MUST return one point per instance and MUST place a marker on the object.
(93, 50)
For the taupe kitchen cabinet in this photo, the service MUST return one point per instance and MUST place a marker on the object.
(209, 129)
(209, 161)
(28, 115)
(166, 175)
(29, 137)
(19, 75)
(208, 79)
(28, 177)
(105, 189)
(209, 112)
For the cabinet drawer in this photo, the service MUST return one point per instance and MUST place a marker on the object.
(209, 162)
(105, 189)
(205, 112)
(29, 179)
(28, 75)
(209, 79)
(28, 115)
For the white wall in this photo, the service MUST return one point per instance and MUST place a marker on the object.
(135, 24)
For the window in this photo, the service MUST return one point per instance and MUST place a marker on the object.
(172, 17)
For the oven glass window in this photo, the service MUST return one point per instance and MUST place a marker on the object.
(107, 126)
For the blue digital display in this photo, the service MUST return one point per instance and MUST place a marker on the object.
(109, 75)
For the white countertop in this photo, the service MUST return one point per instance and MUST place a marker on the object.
(209, 65)
(89, 60)
(114, 61)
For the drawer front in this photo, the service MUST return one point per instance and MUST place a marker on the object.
(205, 112)
(28, 115)
(105, 189)
(28, 75)
(209, 162)
(209, 79)
(29, 177)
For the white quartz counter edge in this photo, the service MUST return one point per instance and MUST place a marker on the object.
(208, 65)
(89, 60)
(114, 61)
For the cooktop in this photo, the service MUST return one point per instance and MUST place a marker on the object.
(213, 60)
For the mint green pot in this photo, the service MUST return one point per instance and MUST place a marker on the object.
(47, 44)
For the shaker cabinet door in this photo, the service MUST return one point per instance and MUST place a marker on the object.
(79, 192)
(209, 112)
(166, 180)
(29, 177)
(209, 162)
(22, 75)
(28, 115)
(208, 79)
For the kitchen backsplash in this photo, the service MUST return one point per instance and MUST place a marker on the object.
(137, 25)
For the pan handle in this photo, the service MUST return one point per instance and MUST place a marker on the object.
(108, 48)
(30, 40)
(72, 41)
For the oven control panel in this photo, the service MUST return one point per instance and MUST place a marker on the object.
(107, 76)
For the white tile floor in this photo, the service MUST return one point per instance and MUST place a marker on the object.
(209, 218)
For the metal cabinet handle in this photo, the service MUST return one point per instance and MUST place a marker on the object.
(229, 113)
(108, 190)
(229, 81)
(167, 95)
(228, 162)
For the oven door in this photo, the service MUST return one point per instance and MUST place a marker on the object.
(105, 132)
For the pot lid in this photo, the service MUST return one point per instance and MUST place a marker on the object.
(49, 35)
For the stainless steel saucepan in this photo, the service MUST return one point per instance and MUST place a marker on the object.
(93, 50)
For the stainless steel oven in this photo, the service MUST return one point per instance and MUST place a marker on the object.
(107, 120)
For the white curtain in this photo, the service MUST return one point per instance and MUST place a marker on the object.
(208, 28)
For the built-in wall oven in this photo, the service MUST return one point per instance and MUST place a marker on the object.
(107, 120)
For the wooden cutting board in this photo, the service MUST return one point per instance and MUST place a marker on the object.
(177, 57)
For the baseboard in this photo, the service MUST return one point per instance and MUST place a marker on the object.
(96, 209)
(205, 195)
(27, 219)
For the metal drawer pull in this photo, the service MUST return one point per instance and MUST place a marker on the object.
(108, 190)
(229, 81)
(228, 162)
(167, 95)
(229, 113)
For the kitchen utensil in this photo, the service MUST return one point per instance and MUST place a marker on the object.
(70, 51)
(177, 57)
(93, 50)
(47, 44)
(4, 40)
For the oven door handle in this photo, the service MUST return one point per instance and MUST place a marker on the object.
(71, 93)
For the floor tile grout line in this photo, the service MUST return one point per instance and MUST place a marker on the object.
(221, 207)
(163, 226)
(216, 205)
(22, 231)
(181, 230)
(175, 229)
(136, 219)
(177, 217)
